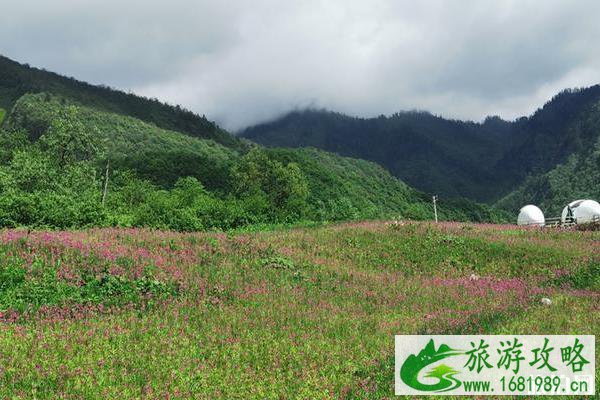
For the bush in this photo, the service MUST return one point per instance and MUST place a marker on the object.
(284, 186)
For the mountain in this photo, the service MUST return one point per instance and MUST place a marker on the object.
(578, 177)
(428, 152)
(158, 155)
(18, 79)
(66, 165)
(74, 155)
(481, 161)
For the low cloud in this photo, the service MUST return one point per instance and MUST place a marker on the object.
(244, 62)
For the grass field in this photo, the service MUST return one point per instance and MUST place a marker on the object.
(300, 313)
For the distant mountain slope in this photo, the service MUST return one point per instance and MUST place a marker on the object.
(482, 161)
(158, 155)
(551, 134)
(339, 188)
(17, 79)
(433, 154)
(576, 178)
(372, 189)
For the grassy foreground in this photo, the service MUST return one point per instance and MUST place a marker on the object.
(303, 313)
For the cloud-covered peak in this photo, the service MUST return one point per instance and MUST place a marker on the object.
(246, 61)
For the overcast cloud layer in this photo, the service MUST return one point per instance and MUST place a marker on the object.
(243, 62)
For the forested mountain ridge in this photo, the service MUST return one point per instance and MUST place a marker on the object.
(18, 79)
(64, 165)
(552, 133)
(409, 144)
(482, 161)
(158, 155)
(578, 177)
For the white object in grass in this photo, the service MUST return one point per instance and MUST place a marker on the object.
(531, 215)
(546, 301)
(474, 277)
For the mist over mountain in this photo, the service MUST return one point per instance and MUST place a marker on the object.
(75, 155)
(548, 158)
(244, 62)
(482, 161)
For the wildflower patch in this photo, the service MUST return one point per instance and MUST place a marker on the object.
(32, 277)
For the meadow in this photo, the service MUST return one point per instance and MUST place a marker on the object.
(306, 313)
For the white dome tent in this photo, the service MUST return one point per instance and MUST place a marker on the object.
(581, 212)
(531, 215)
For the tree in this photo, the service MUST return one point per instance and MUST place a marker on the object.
(10, 142)
(284, 186)
(67, 139)
(187, 190)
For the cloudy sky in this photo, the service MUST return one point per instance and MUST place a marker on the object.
(246, 61)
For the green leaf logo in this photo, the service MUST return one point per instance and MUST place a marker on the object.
(409, 372)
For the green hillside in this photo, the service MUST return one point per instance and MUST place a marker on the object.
(481, 161)
(452, 158)
(17, 79)
(156, 154)
(577, 178)
(372, 189)
(57, 154)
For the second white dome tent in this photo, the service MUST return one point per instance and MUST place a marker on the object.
(581, 212)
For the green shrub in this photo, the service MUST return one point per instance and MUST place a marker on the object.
(24, 289)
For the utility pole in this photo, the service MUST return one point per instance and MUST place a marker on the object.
(105, 182)
(435, 199)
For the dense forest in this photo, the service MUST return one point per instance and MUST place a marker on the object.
(482, 161)
(18, 79)
(76, 155)
(578, 177)
(68, 165)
